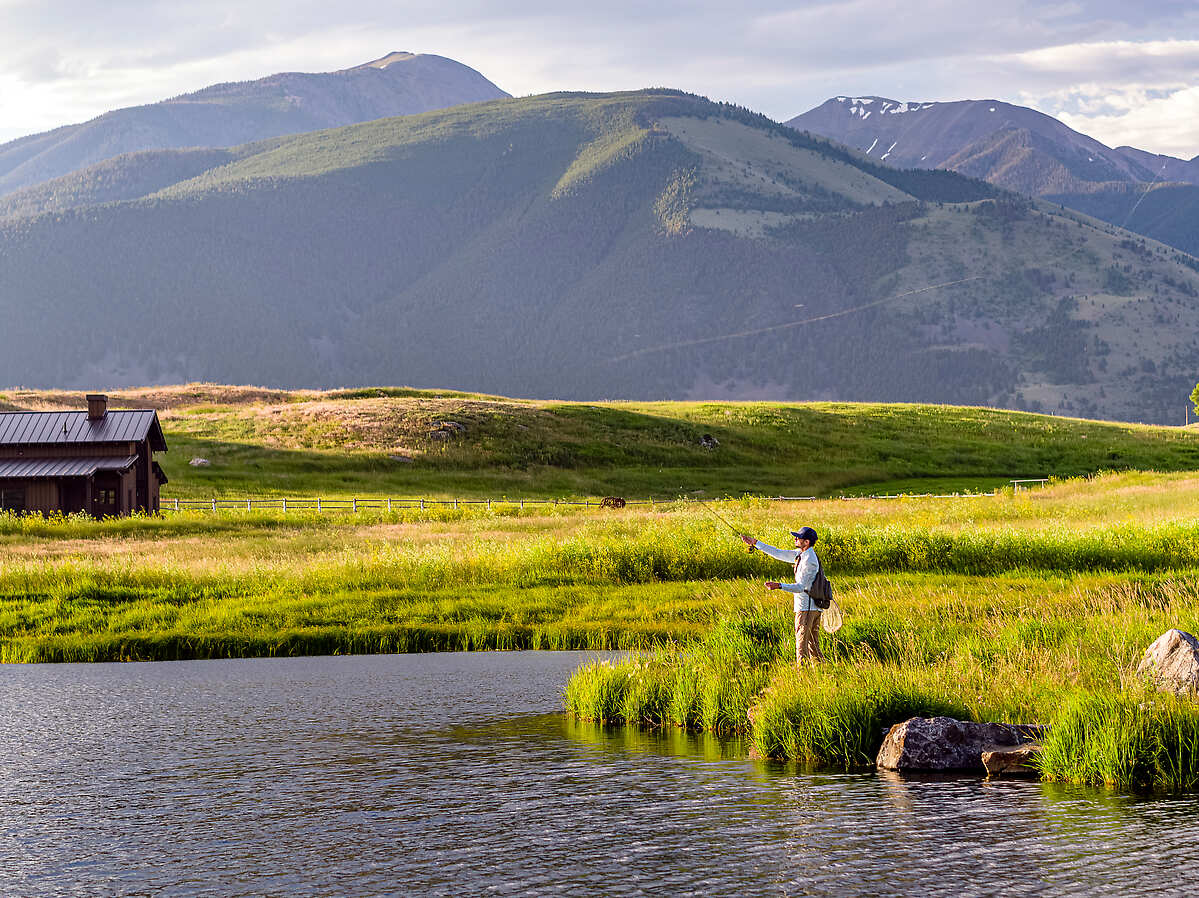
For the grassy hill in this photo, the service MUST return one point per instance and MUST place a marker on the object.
(402, 442)
(647, 245)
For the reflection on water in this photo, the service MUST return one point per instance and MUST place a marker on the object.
(676, 743)
(453, 774)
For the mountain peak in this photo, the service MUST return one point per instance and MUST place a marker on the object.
(867, 106)
(384, 61)
(975, 137)
(237, 112)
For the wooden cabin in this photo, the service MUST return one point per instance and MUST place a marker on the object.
(95, 461)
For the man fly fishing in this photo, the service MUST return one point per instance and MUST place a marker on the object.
(807, 612)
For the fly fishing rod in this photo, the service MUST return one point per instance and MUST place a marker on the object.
(716, 514)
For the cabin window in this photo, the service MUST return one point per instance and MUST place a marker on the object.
(12, 499)
(106, 497)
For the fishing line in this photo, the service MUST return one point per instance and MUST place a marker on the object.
(718, 516)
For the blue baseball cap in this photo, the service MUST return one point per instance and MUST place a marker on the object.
(805, 533)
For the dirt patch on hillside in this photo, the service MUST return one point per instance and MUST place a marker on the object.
(408, 426)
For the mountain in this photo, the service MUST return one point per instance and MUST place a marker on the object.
(239, 112)
(1011, 146)
(650, 244)
(1022, 150)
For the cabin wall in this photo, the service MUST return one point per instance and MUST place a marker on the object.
(154, 491)
(39, 495)
(128, 491)
(146, 501)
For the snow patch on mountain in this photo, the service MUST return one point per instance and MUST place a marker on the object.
(857, 106)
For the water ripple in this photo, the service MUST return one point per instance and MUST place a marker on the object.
(453, 774)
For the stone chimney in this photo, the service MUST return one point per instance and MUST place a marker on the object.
(97, 406)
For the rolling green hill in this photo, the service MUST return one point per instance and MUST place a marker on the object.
(403, 442)
(641, 245)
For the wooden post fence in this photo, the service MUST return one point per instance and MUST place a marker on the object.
(392, 504)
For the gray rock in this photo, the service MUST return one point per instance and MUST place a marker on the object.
(198, 462)
(708, 441)
(1172, 661)
(1012, 760)
(447, 429)
(942, 743)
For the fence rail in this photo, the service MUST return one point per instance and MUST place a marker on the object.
(365, 504)
(321, 505)
(1018, 485)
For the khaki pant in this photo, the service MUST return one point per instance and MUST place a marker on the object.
(807, 636)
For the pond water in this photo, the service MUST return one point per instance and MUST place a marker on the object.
(456, 774)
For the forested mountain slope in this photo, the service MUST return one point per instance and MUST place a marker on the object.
(239, 112)
(639, 245)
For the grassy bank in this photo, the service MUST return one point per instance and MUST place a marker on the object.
(1018, 648)
(1033, 609)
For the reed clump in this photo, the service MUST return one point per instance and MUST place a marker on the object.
(708, 686)
(1133, 739)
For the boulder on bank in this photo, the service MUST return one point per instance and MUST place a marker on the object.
(942, 743)
(1012, 760)
(1172, 661)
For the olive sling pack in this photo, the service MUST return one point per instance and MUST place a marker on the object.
(821, 590)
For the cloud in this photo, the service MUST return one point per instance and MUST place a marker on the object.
(1111, 62)
(1103, 89)
(1168, 124)
(1097, 58)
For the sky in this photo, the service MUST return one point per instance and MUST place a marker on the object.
(1125, 73)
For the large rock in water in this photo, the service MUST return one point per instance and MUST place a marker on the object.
(1013, 760)
(942, 743)
(1172, 661)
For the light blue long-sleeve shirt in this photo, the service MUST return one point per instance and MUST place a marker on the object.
(809, 564)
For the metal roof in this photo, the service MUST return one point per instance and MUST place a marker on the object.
(122, 425)
(37, 468)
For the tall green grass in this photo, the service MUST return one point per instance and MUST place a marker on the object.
(709, 686)
(1132, 739)
(1016, 649)
(673, 550)
(139, 587)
